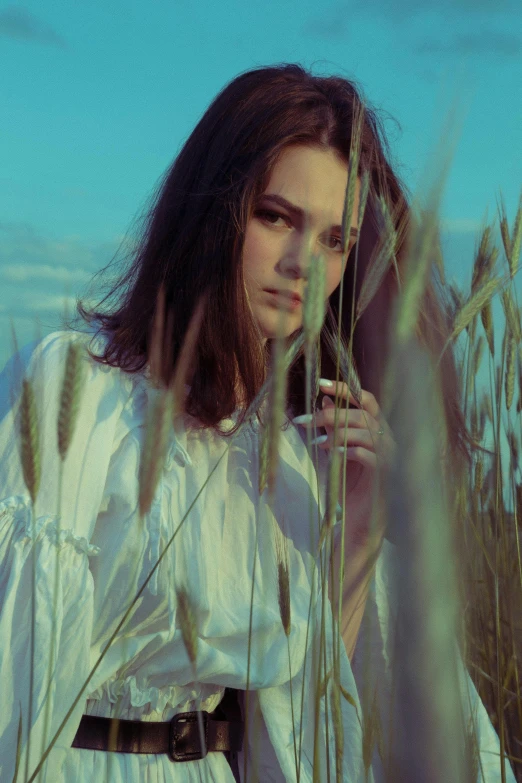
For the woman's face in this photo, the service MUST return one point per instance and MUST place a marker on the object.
(281, 237)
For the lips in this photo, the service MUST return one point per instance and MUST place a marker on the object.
(290, 295)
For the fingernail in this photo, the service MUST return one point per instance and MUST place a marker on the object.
(306, 418)
(318, 440)
(341, 449)
(325, 382)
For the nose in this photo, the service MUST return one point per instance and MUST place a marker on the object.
(295, 260)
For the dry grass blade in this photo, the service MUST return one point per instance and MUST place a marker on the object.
(30, 440)
(263, 461)
(519, 372)
(324, 684)
(378, 267)
(510, 371)
(477, 356)
(18, 748)
(471, 753)
(167, 398)
(332, 495)
(487, 322)
(185, 358)
(156, 348)
(283, 580)
(512, 315)
(338, 730)
(479, 475)
(513, 446)
(158, 427)
(316, 371)
(71, 395)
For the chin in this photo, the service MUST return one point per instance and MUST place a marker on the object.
(271, 334)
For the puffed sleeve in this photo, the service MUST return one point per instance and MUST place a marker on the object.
(374, 655)
(45, 581)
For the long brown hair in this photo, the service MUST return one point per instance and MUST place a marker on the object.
(192, 238)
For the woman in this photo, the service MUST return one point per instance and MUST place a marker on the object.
(257, 190)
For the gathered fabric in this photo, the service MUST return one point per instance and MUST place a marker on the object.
(92, 552)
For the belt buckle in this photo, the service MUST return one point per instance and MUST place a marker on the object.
(183, 728)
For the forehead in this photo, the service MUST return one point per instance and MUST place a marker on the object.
(313, 179)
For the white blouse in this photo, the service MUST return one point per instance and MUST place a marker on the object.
(105, 552)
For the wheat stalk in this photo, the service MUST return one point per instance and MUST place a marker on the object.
(512, 314)
(484, 260)
(504, 228)
(159, 418)
(168, 398)
(353, 166)
(348, 203)
(314, 306)
(70, 398)
(188, 624)
(269, 451)
(378, 265)
(363, 196)
(516, 240)
(417, 271)
(477, 356)
(487, 323)
(30, 440)
(510, 371)
(470, 309)
(347, 368)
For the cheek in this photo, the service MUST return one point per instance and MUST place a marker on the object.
(333, 277)
(255, 252)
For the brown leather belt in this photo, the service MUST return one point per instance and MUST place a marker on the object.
(179, 737)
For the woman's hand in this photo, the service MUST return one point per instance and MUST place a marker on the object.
(364, 447)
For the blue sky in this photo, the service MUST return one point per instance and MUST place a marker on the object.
(99, 97)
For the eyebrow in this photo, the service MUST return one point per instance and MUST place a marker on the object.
(298, 212)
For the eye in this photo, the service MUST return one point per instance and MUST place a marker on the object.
(266, 213)
(337, 239)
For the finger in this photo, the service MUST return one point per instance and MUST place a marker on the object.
(342, 390)
(361, 455)
(346, 417)
(354, 437)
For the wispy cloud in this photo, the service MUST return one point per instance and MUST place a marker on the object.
(336, 22)
(481, 43)
(37, 273)
(21, 245)
(59, 274)
(38, 302)
(19, 23)
(460, 226)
